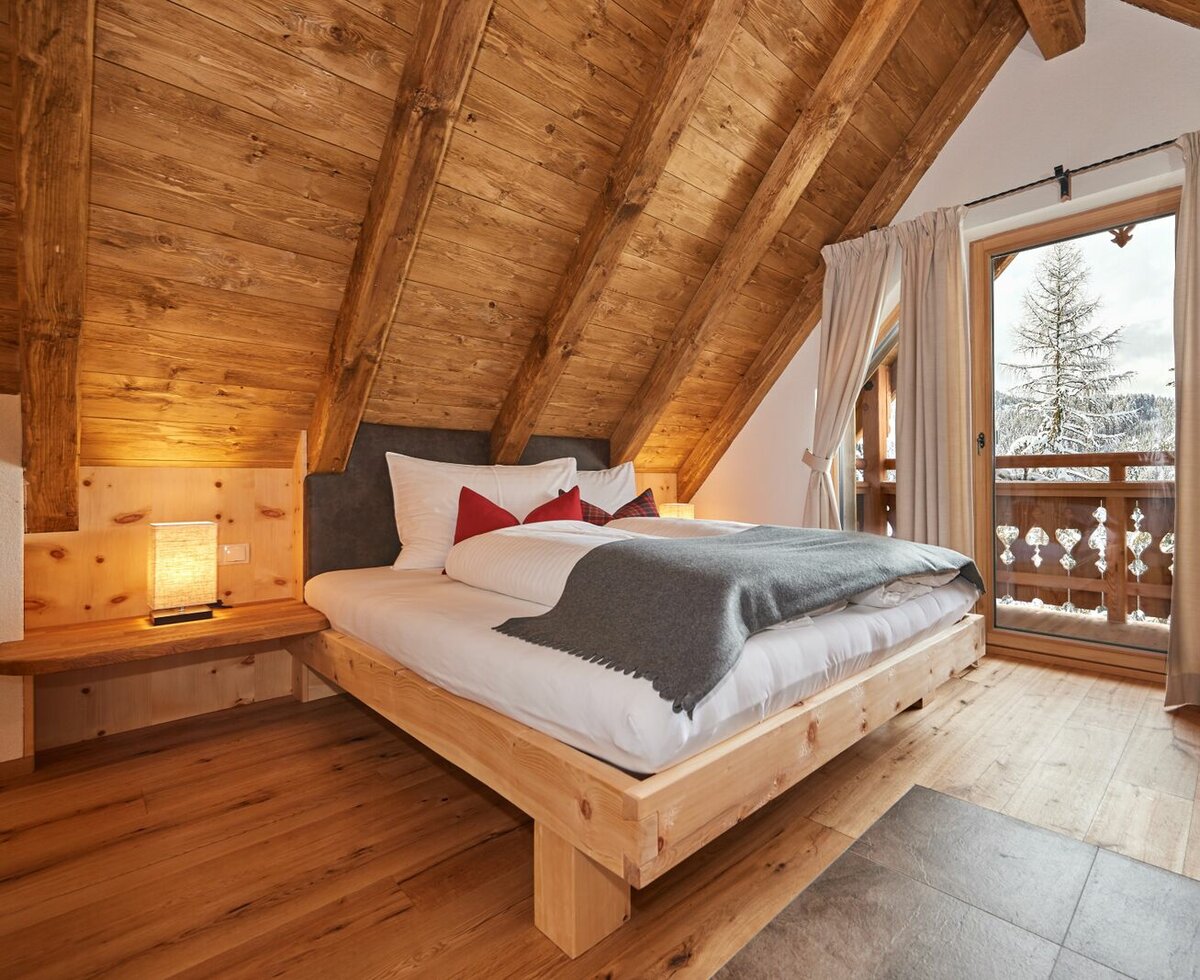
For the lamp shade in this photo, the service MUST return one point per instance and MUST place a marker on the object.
(183, 564)
(677, 510)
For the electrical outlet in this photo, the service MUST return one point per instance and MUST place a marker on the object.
(234, 554)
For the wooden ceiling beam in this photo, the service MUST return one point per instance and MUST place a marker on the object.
(1057, 26)
(445, 44)
(55, 40)
(862, 54)
(701, 33)
(1184, 11)
(987, 51)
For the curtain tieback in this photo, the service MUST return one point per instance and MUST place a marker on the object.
(818, 463)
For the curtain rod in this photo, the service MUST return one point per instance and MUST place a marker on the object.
(1062, 176)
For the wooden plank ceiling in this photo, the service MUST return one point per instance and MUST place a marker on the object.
(234, 145)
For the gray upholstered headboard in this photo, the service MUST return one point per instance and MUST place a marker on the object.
(349, 521)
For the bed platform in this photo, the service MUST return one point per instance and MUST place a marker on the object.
(599, 831)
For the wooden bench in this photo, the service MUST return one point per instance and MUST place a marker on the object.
(51, 649)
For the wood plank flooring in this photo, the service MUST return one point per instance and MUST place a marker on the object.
(316, 840)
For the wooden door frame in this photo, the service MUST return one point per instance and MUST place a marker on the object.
(1061, 650)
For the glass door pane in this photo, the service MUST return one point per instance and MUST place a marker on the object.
(1084, 436)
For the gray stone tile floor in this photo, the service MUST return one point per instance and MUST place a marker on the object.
(940, 888)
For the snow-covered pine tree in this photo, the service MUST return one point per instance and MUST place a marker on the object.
(1065, 397)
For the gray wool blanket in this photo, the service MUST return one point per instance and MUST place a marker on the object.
(678, 611)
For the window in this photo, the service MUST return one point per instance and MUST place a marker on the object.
(875, 443)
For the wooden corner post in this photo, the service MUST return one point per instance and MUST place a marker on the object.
(53, 156)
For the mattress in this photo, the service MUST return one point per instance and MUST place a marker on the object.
(442, 630)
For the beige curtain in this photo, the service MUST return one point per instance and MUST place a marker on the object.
(933, 370)
(1183, 657)
(856, 274)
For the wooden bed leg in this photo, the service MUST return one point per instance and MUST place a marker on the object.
(576, 902)
(308, 685)
(921, 703)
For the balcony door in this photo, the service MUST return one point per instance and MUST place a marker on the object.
(1074, 381)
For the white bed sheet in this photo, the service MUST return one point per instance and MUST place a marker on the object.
(442, 629)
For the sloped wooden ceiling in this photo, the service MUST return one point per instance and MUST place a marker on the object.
(234, 145)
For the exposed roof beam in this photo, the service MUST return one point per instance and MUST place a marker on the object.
(53, 160)
(435, 75)
(1184, 11)
(871, 38)
(983, 57)
(701, 33)
(1057, 26)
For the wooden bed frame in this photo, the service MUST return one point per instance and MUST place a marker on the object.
(598, 831)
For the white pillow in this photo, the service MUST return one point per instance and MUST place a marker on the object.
(608, 489)
(425, 496)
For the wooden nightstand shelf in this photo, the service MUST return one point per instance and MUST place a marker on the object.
(52, 649)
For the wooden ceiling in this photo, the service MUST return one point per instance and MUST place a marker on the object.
(592, 217)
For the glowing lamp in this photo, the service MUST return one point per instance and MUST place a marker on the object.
(183, 571)
(687, 511)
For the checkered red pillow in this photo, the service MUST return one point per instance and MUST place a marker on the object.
(640, 506)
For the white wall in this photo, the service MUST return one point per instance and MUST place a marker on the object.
(761, 479)
(1135, 81)
(12, 520)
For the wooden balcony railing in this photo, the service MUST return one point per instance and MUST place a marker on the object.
(1025, 498)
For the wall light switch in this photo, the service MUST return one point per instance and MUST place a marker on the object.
(234, 554)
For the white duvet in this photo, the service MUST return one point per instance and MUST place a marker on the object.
(533, 561)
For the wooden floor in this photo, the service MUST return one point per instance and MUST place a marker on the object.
(314, 840)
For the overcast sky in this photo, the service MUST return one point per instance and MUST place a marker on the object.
(1136, 287)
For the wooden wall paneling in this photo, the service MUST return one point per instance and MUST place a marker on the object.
(77, 705)
(1000, 33)
(872, 37)
(9, 320)
(476, 168)
(117, 349)
(153, 246)
(1057, 26)
(663, 485)
(130, 442)
(337, 36)
(54, 47)
(170, 308)
(445, 44)
(515, 52)
(131, 179)
(702, 31)
(99, 571)
(203, 56)
(132, 397)
(610, 35)
(138, 109)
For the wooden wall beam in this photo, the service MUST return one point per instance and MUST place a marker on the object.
(988, 50)
(701, 33)
(53, 163)
(1184, 11)
(1057, 26)
(862, 54)
(435, 75)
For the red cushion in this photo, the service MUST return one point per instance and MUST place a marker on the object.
(478, 515)
(566, 507)
(640, 506)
